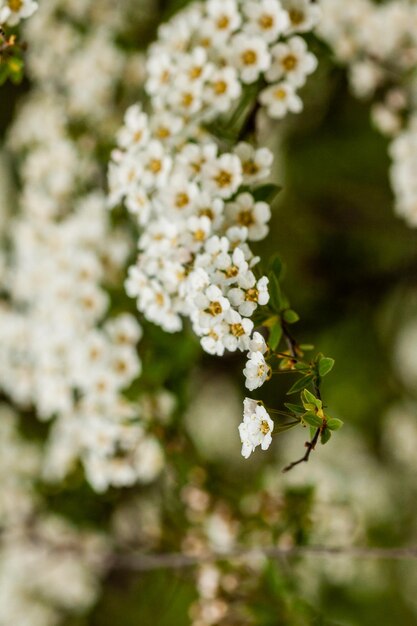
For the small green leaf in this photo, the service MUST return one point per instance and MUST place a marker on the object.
(334, 423)
(300, 384)
(309, 398)
(290, 316)
(297, 409)
(325, 365)
(275, 336)
(325, 436)
(275, 266)
(312, 420)
(266, 193)
(275, 295)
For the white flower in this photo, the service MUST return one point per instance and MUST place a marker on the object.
(212, 306)
(222, 176)
(135, 131)
(223, 18)
(256, 428)
(156, 165)
(239, 331)
(291, 61)
(266, 19)
(222, 89)
(279, 99)
(258, 344)
(256, 164)
(249, 294)
(257, 371)
(250, 56)
(244, 211)
(15, 10)
(303, 14)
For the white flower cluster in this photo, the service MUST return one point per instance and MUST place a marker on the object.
(195, 203)
(62, 351)
(205, 56)
(13, 11)
(67, 563)
(378, 43)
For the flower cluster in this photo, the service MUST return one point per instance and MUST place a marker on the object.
(381, 61)
(198, 205)
(67, 562)
(64, 352)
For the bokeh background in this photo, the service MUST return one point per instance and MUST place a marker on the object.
(351, 273)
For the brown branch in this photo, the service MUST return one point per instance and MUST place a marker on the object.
(175, 561)
(310, 445)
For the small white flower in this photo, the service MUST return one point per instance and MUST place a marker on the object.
(291, 61)
(16, 10)
(266, 19)
(222, 89)
(279, 99)
(256, 164)
(223, 18)
(212, 306)
(303, 14)
(249, 294)
(239, 331)
(222, 176)
(135, 131)
(258, 344)
(256, 428)
(244, 211)
(257, 371)
(250, 56)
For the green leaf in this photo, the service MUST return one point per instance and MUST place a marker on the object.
(309, 398)
(280, 428)
(275, 295)
(275, 336)
(325, 365)
(300, 384)
(334, 423)
(312, 420)
(297, 409)
(325, 436)
(266, 193)
(290, 316)
(275, 266)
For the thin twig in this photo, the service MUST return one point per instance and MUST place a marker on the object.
(176, 561)
(310, 445)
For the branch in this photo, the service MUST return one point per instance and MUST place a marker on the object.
(175, 561)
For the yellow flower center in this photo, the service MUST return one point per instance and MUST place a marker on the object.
(265, 427)
(280, 94)
(250, 168)
(245, 218)
(215, 308)
(155, 166)
(266, 21)
(296, 17)
(223, 22)
(249, 57)
(237, 330)
(181, 200)
(223, 178)
(187, 99)
(252, 295)
(220, 87)
(289, 62)
(15, 5)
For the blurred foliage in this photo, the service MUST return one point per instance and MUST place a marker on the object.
(347, 260)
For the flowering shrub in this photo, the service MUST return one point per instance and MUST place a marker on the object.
(155, 160)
